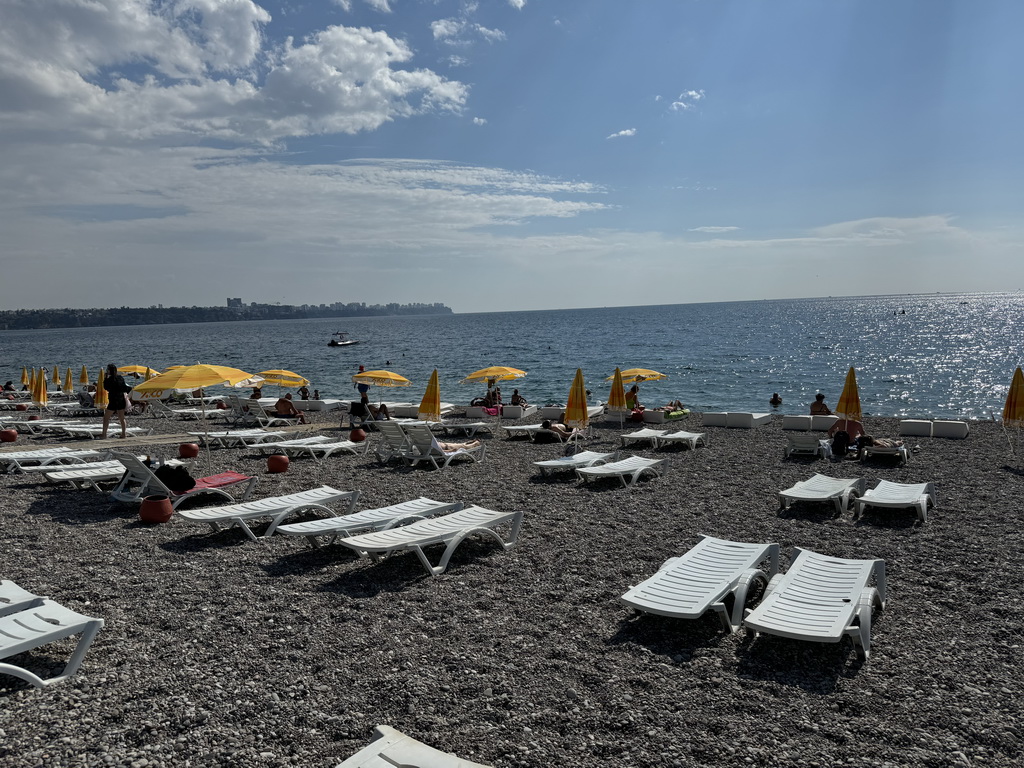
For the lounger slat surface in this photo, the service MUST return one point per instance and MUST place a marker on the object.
(368, 518)
(427, 532)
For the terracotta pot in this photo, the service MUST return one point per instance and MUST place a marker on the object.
(357, 435)
(34, 417)
(188, 451)
(8, 435)
(277, 463)
(21, 407)
(155, 509)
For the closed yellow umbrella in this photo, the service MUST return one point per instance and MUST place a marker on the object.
(40, 397)
(32, 382)
(430, 405)
(25, 379)
(849, 402)
(576, 414)
(56, 374)
(1013, 411)
(100, 398)
(83, 376)
(69, 384)
(617, 397)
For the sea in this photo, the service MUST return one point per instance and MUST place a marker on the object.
(936, 355)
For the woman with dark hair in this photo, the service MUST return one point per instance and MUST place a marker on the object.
(113, 383)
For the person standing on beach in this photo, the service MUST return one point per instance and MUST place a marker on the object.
(116, 389)
(818, 407)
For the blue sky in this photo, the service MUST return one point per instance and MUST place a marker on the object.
(503, 155)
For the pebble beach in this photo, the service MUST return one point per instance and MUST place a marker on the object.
(220, 651)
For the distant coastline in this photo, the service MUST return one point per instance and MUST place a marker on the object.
(33, 319)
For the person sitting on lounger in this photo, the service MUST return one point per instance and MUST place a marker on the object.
(379, 412)
(285, 409)
(818, 407)
(633, 397)
(450, 447)
(257, 393)
(85, 399)
(9, 386)
(518, 399)
(880, 442)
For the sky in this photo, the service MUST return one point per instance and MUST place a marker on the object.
(507, 154)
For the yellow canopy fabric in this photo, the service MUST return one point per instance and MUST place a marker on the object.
(100, 398)
(495, 373)
(639, 374)
(24, 376)
(32, 381)
(430, 405)
(1013, 411)
(141, 370)
(69, 384)
(381, 378)
(617, 397)
(849, 401)
(191, 377)
(281, 378)
(83, 377)
(56, 374)
(40, 396)
(576, 414)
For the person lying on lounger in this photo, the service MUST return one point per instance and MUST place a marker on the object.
(558, 428)
(674, 405)
(450, 447)
(879, 442)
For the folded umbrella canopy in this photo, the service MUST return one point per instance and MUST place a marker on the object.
(56, 375)
(139, 370)
(576, 413)
(849, 401)
(83, 376)
(638, 375)
(617, 397)
(430, 405)
(281, 378)
(69, 384)
(25, 377)
(1013, 410)
(40, 397)
(100, 398)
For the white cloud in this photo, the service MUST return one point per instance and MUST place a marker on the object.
(517, 4)
(380, 5)
(123, 69)
(713, 230)
(686, 100)
(463, 32)
(479, 121)
(625, 132)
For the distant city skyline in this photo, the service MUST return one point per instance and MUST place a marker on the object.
(508, 155)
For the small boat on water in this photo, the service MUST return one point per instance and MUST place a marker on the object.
(340, 339)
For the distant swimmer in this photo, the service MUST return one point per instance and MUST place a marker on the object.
(776, 401)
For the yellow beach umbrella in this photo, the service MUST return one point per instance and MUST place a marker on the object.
(639, 374)
(25, 380)
(849, 402)
(430, 405)
(617, 397)
(495, 373)
(280, 378)
(139, 370)
(576, 414)
(100, 397)
(32, 381)
(69, 384)
(1013, 411)
(56, 374)
(40, 396)
(191, 377)
(381, 378)
(83, 376)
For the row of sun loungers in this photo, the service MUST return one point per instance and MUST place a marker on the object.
(841, 491)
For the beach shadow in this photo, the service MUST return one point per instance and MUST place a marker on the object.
(199, 542)
(77, 507)
(888, 518)
(310, 559)
(813, 667)
(1013, 470)
(810, 511)
(675, 639)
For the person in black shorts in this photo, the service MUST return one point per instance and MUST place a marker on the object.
(116, 389)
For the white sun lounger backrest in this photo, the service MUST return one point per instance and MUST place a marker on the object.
(824, 488)
(900, 495)
(392, 748)
(821, 598)
(13, 598)
(581, 459)
(632, 467)
(369, 519)
(688, 586)
(396, 441)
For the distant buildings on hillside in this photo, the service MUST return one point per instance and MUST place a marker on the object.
(24, 319)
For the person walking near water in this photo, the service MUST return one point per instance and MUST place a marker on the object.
(116, 389)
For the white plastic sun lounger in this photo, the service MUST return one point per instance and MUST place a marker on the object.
(93, 433)
(450, 530)
(277, 508)
(642, 435)
(238, 438)
(17, 460)
(41, 623)
(33, 453)
(393, 748)
(632, 468)
(822, 488)
(688, 586)
(469, 429)
(13, 598)
(424, 447)
(898, 452)
(395, 441)
(899, 496)
(87, 475)
(321, 451)
(139, 481)
(529, 430)
(581, 459)
(807, 445)
(282, 446)
(821, 599)
(378, 519)
(689, 438)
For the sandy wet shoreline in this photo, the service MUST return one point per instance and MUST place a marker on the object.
(218, 651)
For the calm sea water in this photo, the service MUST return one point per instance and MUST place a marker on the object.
(947, 356)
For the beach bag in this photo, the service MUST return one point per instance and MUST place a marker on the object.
(840, 443)
(637, 415)
(177, 479)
